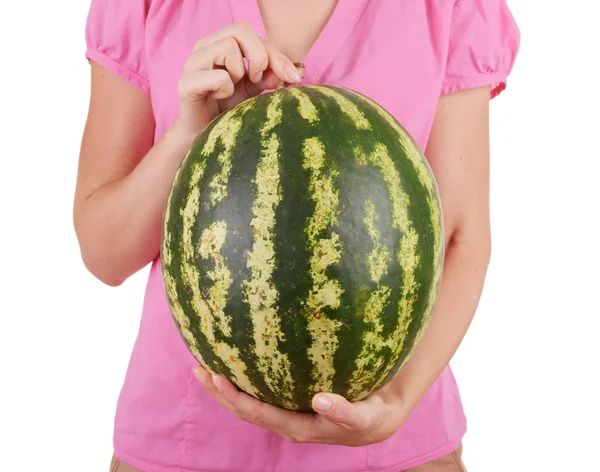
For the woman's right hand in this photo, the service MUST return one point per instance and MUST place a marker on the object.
(125, 175)
(215, 77)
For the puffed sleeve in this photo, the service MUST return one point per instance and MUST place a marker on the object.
(114, 35)
(484, 42)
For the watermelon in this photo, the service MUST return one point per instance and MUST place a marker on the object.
(302, 245)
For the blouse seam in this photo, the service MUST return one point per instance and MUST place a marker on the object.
(186, 420)
(462, 83)
(475, 77)
(99, 56)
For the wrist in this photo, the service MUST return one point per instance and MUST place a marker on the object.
(182, 133)
(406, 393)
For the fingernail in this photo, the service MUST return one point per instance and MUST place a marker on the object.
(196, 371)
(294, 75)
(257, 77)
(217, 381)
(322, 404)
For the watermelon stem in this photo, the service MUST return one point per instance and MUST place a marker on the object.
(299, 65)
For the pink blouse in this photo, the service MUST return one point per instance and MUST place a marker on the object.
(404, 54)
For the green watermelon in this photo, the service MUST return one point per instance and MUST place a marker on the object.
(302, 245)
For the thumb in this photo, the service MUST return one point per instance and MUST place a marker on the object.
(269, 82)
(337, 409)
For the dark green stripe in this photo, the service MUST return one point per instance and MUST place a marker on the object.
(420, 217)
(292, 272)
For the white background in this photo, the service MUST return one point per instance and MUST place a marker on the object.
(529, 367)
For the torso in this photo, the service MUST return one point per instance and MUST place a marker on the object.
(382, 48)
(293, 26)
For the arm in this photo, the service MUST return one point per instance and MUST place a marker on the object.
(459, 156)
(124, 180)
(458, 152)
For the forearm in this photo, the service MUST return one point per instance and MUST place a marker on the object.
(462, 283)
(119, 224)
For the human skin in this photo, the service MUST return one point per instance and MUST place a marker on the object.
(123, 183)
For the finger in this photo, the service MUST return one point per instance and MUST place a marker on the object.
(279, 63)
(199, 84)
(297, 425)
(248, 42)
(246, 89)
(358, 416)
(222, 53)
(259, 53)
(269, 82)
(205, 379)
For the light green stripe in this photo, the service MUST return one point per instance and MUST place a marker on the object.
(210, 311)
(260, 292)
(197, 172)
(211, 242)
(180, 317)
(325, 252)
(306, 108)
(379, 256)
(346, 106)
(274, 115)
(427, 179)
(167, 258)
(226, 130)
(369, 360)
(407, 256)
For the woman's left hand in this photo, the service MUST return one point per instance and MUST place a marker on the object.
(337, 420)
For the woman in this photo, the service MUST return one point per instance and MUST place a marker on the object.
(433, 64)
